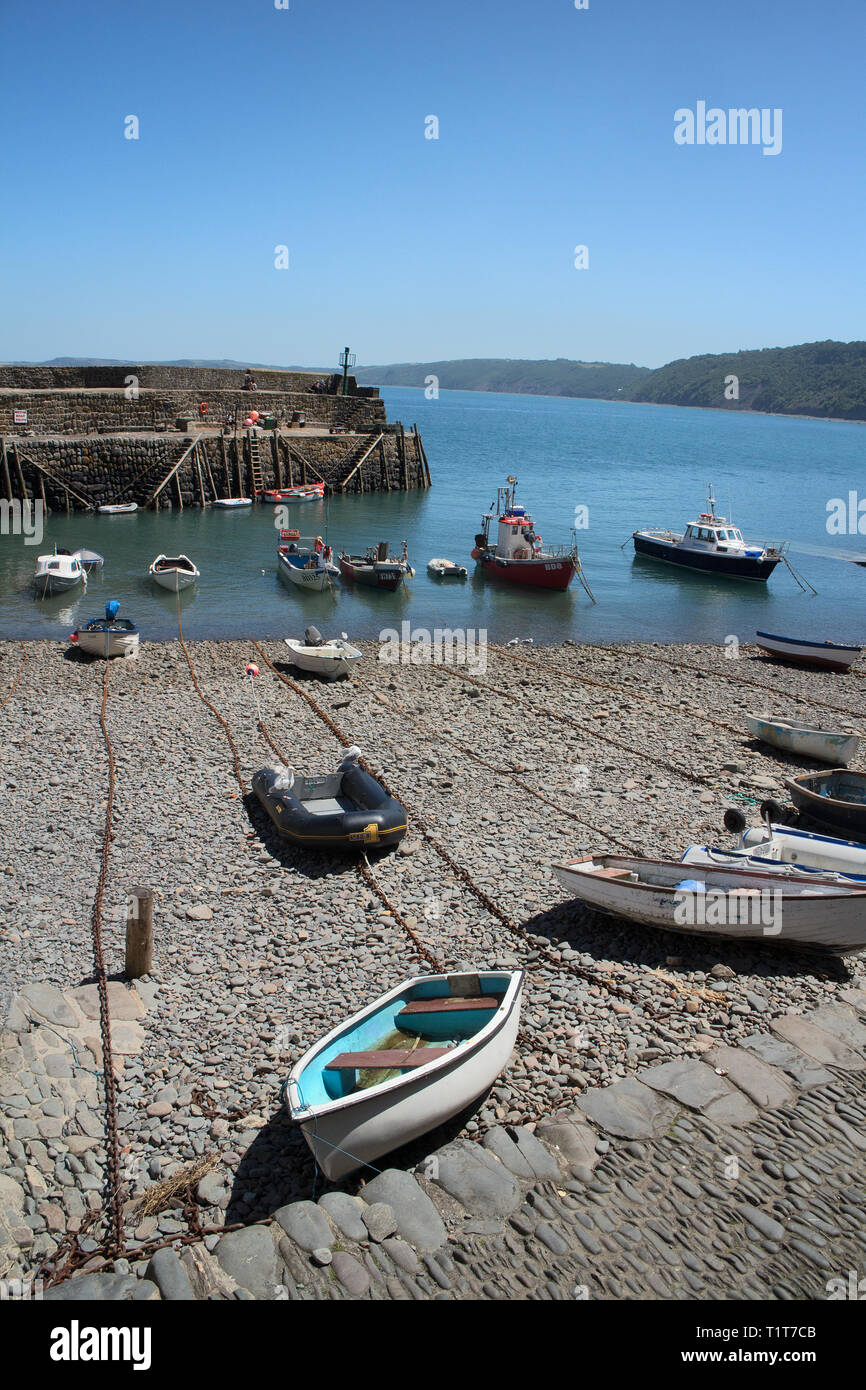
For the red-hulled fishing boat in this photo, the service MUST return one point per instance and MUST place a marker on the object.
(520, 555)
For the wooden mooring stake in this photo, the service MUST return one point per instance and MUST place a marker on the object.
(139, 933)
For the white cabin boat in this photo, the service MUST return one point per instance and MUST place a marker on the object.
(835, 746)
(411, 1060)
(330, 659)
(57, 573)
(737, 903)
(711, 545)
(174, 572)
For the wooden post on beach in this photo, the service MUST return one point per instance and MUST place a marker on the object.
(139, 933)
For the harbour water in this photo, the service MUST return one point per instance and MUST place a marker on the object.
(629, 465)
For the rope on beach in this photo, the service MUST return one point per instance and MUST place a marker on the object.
(699, 778)
(16, 677)
(620, 690)
(457, 869)
(726, 676)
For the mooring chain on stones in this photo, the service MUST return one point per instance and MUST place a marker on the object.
(15, 678)
(363, 865)
(438, 736)
(725, 676)
(620, 690)
(112, 1145)
(458, 870)
(699, 778)
(214, 711)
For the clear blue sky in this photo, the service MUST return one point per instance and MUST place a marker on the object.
(305, 127)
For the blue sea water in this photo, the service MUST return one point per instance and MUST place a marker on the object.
(629, 465)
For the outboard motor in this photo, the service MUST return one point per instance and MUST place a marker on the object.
(111, 609)
(313, 637)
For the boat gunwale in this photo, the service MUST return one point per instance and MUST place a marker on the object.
(768, 876)
(455, 1056)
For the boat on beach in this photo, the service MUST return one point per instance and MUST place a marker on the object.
(836, 799)
(331, 659)
(710, 545)
(446, 569)
(828, 656)
(174, 572)
(375, 569)
(344, 810)
(835, 746)
(783, 848)
(519, 555)
(58, 573)
(408, 1062)
(732, 902)
(108, 636)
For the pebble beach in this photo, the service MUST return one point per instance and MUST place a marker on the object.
(260, 948)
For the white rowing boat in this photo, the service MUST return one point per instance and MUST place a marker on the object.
(835, 746)
(742, 904)
(232, 502)
(174, 572)
(329, 659)
(108, 636)
(827, 656)
(405, 1064)
(118, 508)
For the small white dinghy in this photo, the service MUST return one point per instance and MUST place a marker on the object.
(108, 636)
(57, 573)
(411, 1060)
(231, 502)
(827, 656)
(174, 572)
(118, 508)
(738, 903)
(329, 659)
(835, 746)
(446, 569)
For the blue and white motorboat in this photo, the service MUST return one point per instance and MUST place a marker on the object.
(305, 561)
(783, 849)
(411, 1060)
(711, 545)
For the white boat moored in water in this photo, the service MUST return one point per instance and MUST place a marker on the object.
(118, 508)
(835, 746)
(231, 502)
(405, 1064)
(174, 572)
(446, 569)
(57, 573)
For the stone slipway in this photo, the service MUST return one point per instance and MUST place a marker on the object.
(737, 1175)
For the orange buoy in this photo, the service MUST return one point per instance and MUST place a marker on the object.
(252, 670)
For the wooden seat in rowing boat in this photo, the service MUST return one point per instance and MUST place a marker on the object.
(386, 1060)
(449, 1003)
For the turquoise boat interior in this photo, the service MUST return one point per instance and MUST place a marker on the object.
(391, 1040)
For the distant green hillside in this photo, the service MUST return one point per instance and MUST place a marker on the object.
(560, 377)
(811, 379)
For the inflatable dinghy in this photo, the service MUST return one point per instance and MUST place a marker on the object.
(345, 809)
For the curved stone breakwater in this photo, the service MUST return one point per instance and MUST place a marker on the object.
(695, 1134)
